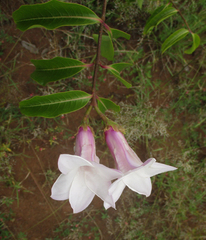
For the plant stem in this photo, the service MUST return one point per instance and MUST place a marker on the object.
(94, 100)
(86, 116)
(181, 16)
(97, 60)
(104, 118)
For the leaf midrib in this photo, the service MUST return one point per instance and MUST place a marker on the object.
(69, 100)
(61, 68)
(42, 18)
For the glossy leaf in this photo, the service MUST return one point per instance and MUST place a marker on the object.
(55, 104)
(55, 69)
(107, 49)
(117, 33)
(158, 18)
(172, 39)
(116, 68)
(53, 14)
(195, 44)
(106, 104)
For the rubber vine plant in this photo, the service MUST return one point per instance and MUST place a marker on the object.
(82, 175)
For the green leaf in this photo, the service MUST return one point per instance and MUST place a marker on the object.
(117, 33)
(196, 43)
(172, 39)
(107, 49)
(53, 14)
(116, 68)
(120, 66)
(156, 11)
(139, 3)
(158, 18)
(55, 69)
(55, 104)
(106, 104)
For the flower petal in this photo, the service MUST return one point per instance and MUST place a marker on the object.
(157, 168)
(108, 173)
(98, 179)
(69, 162)
(80, 196)
(96, 159)
(137, 183)
(60, 189)
(115, 191)
(106, 205)
(151, 168)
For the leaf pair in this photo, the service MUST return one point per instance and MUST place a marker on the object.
(61, 103)
(163, 13)
(177, 36)
(107, 51)
(58, 68)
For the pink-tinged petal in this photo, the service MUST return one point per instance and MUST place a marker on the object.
(80, 196)
(60, 189)
(118, 153)
(139, 184)
(69, 162)
(89, 153)
(131, 156)
(98, 179)
(85, 144)
(126, 159)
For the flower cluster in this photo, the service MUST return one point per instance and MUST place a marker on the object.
(82, 176)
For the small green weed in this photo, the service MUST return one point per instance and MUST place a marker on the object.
(6, 214)
(22, 236)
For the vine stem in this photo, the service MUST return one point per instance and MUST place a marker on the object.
(181, 16)
(96, 67)
(94, 99)
(86, 116)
